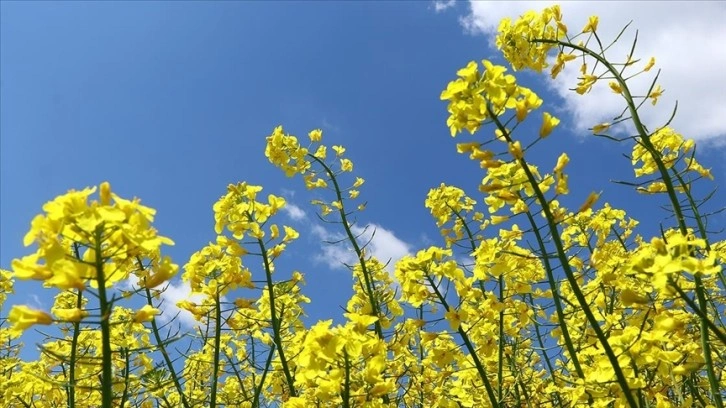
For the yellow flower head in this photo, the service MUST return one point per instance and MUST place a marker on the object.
(315, 135)
(591, 25)
(22, 317)
(145, 314)
(549, 122)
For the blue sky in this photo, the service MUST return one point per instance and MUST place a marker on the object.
(172, 101)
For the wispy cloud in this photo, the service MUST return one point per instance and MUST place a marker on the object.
(379, 242)
(442, 5)
(686, 38)
(327, 125)
(294, 212)
(35, 301)
(288, 193)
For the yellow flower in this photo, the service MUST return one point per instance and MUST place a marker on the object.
(656, 93)
(548, 124)
(339, 150)
(290, 234)
(70, 315)
(591, 25)
(498, 219)
(629, 296)
(21, 317)
(315, 135)
(649, 65)
(615, 87)
(145, 314)
(562, 58)
(589, 202)
(242, 303)
(346, 165)
(562, 162)
(586, 83)
(162, 272)
(600, 128)
(105, 193)
(454, 319)
(321, 153)
(515, 149)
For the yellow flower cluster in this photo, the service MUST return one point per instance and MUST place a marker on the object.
(284, 151)
(342, 362)
(670, 147)
(448, 202)
(475, 97)
(111, 233)
(516, 39)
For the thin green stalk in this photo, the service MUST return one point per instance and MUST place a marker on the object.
(215, 364)
(74, 345)
(258, 390)
(127, 378)
(105, 309)
(71, 389)
(500, 342)
(165, 355)
(540, 341)
(274, 320)
(500, 368)
(368, 281)
(556, 297)
(569, 273)
(346, 384)
(640, 128)
(469, 347)
(706, 345)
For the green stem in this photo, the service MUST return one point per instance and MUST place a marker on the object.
(500, 369)
(500, 343)
(556, 298)
(215, 363)
(275, 322)
(258, 389)
(74, 344)
(369, 288)
(105, 309)
(167, 359)
(346, 384)
(706, 344)
(622, 381)
(639, 127)
(469, 347)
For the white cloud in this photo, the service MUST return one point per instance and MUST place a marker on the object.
(294, 212)
(686, 38)
(381, 243)
(170, 296)
(173, 294)
(442, 5)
